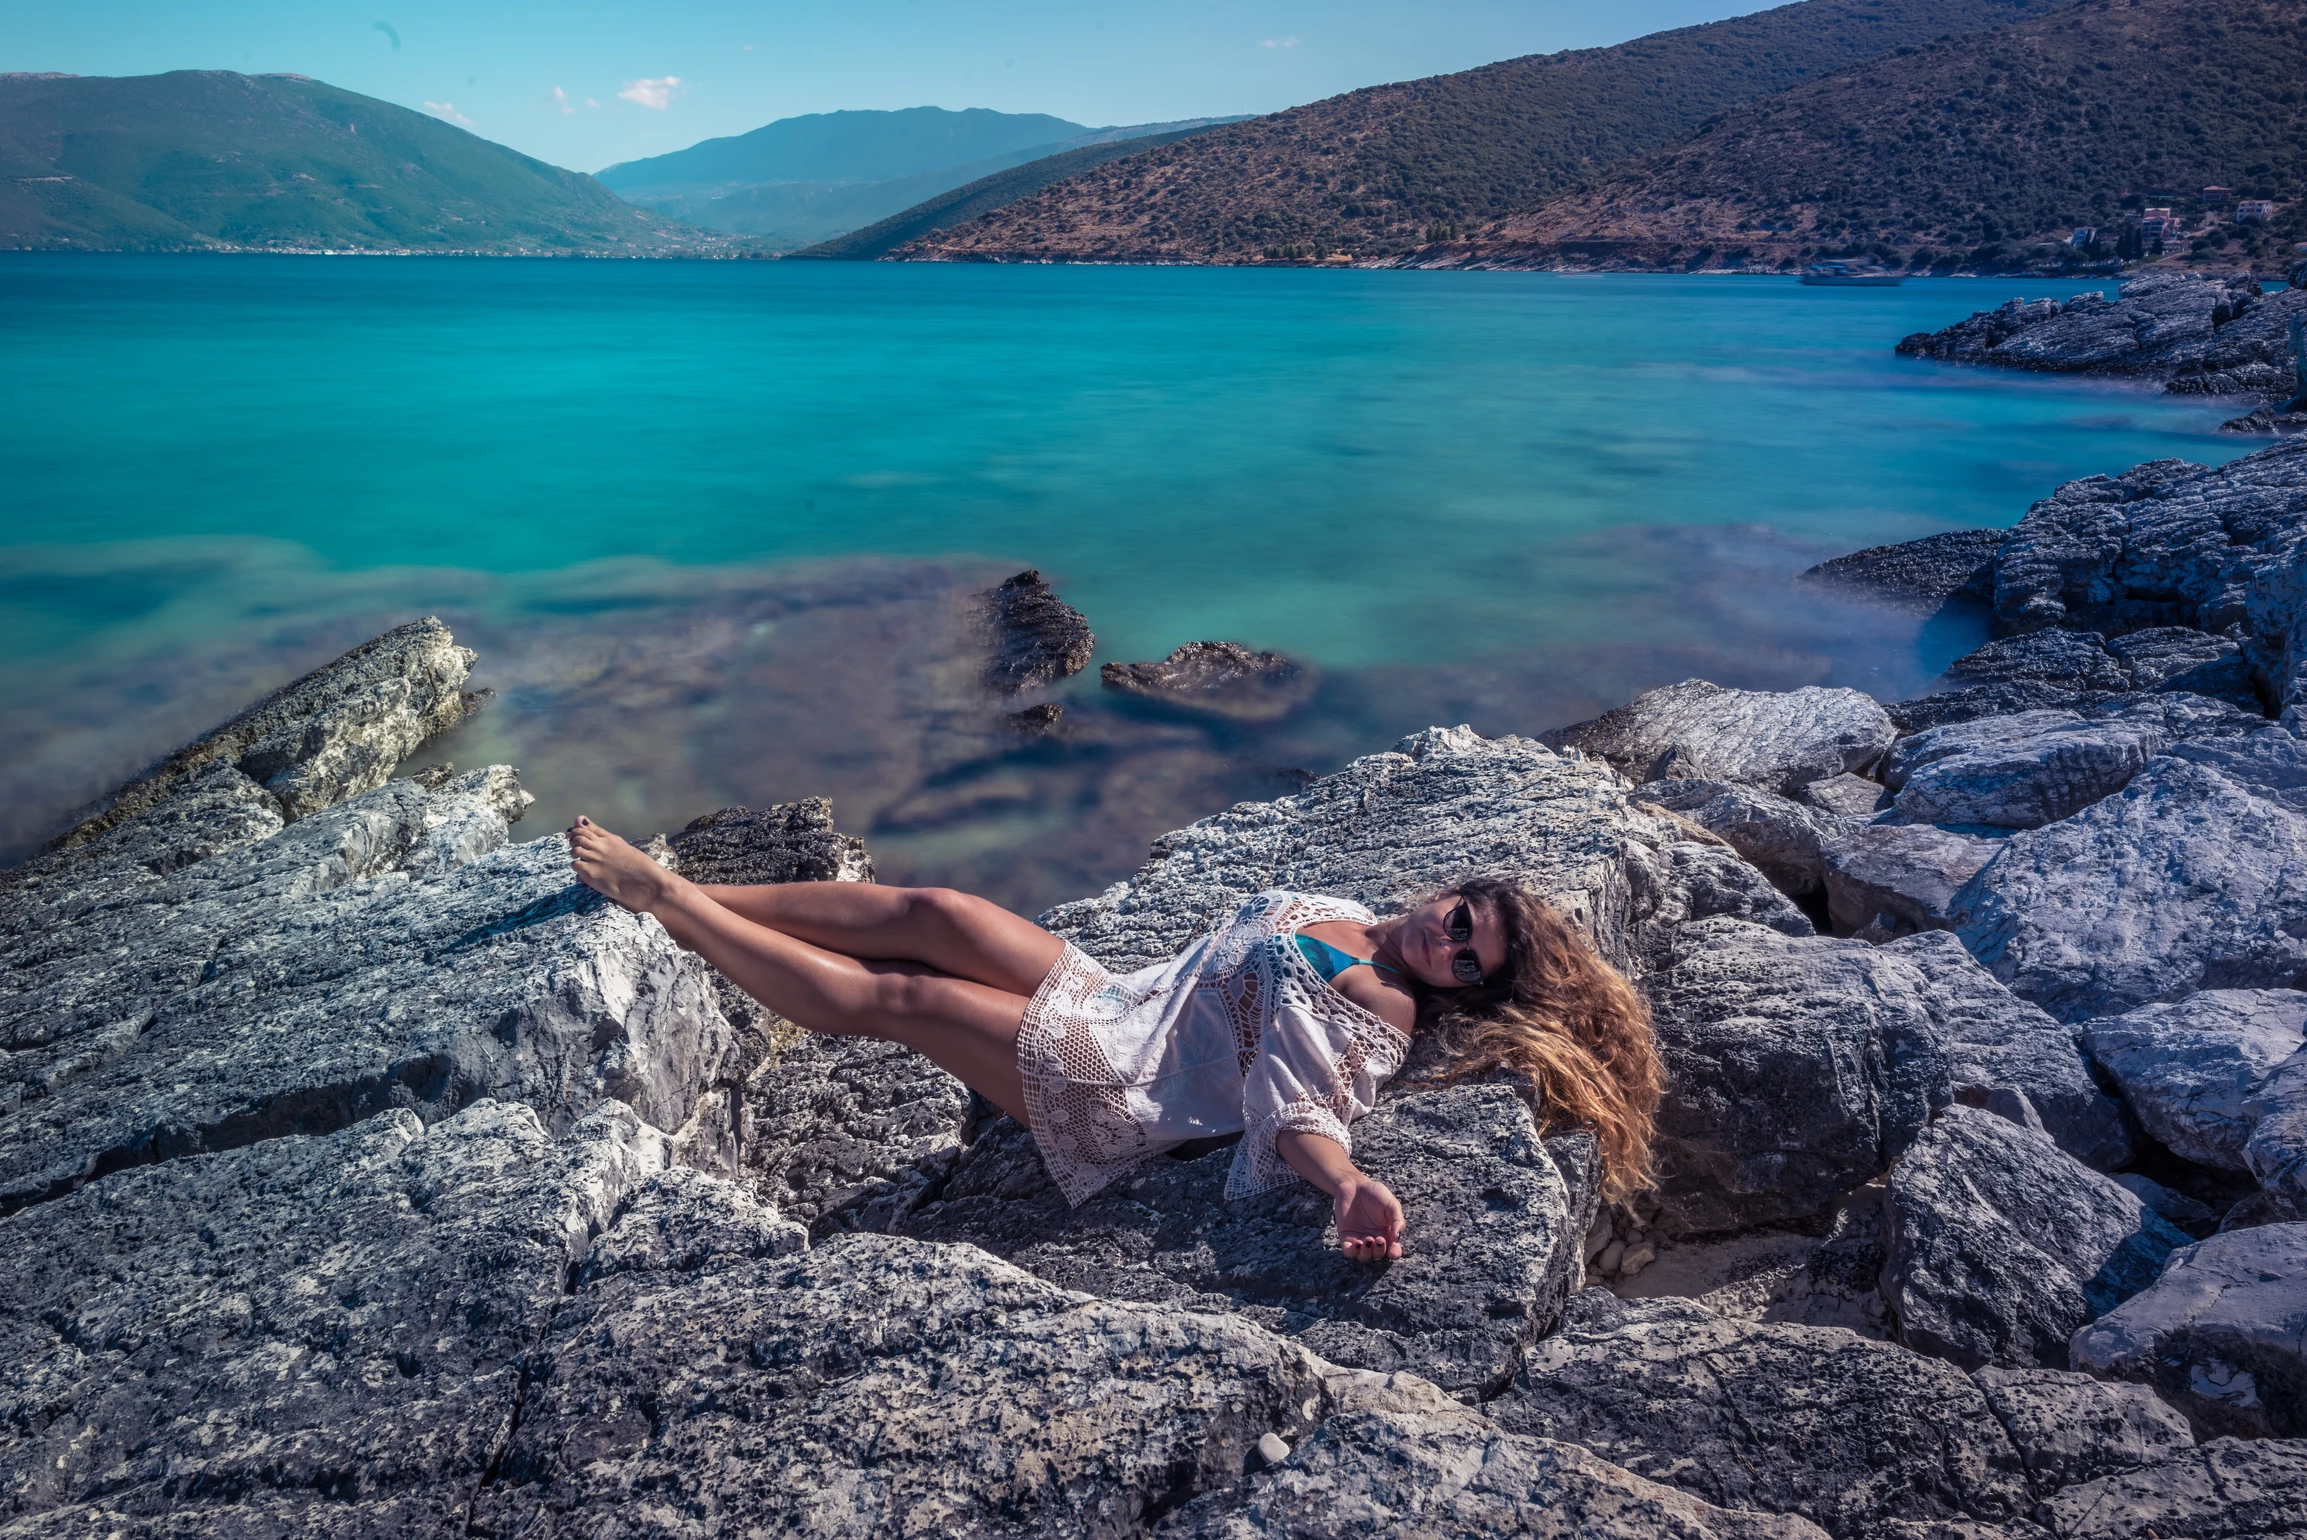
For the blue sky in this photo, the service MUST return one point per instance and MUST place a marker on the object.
(584, 83)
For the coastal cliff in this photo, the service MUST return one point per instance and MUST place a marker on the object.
(382, 1180)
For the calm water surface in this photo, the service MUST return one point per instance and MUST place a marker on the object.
(710, 524)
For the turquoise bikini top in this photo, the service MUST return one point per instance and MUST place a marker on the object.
(1329, 962)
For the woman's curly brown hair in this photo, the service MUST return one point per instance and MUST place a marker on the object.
(1565, 1024)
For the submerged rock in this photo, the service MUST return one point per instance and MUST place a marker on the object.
(2222, 1335)
(1923, 575)
(1222, 678)
(1036, 638)
(2001, 1245)
(1778, 741)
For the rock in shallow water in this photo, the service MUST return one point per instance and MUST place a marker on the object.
(1035, 637)
(1222, 678)
(1922, 575)
(2000, 1245)
(1779, 741)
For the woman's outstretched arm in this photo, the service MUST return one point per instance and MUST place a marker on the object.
(1369, 1216)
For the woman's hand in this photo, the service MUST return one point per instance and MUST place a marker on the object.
(1369, 1220)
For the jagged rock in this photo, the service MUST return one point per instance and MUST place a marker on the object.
(2070, 1427)
(1777, 741)
(839, 1130)
(2001, 1244)
(2180, 658)
(1996, 1041)
(390, 951)
(1035, 721)
(2228, 1489)
(1389, 830)
(791, 842)
(308, 1336)
(1036, 638)
(2085, 673)
(2164, 544)
(2074, 660)
(1433, 1476)
(334, 733)
(2269, 765)
(2162, 326)
(1845, 796)
(1927, 746)
(1992, 700)
(1999, 774)
(2277, 1150)
(1797, 1068)
(2219, 1336)
(2266, 419)
(1811, 1420)
(1780, 837)
(1910, 872)
(1223, 678)
(879, 1385)
(2188, 1070)
(1493, 1220)
(1922, 575)
(2184, 880)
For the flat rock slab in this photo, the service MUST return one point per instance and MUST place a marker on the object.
(1785, 1419)
(2189, 1070)
(2184, 880)
(1909, 872)
(1797, 1068)
(390, 951)
(1982, 772)
(1494, 1225)
(1436, 1477)
(2074, 660)
(2071, 1428)
(2222, 1335)
(310, 1336)
(2228, 1489)
(1779, 741)
(1921, 575)
(880, 1386)
(2000, 1245)
(1390, 830)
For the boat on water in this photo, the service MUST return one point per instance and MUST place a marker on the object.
(1844, 275)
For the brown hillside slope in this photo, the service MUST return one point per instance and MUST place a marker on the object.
(1973, 148)
(1370, 172)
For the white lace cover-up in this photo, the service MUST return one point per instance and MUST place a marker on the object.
(1235, 1034)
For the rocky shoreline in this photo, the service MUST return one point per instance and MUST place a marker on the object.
(382, 1181)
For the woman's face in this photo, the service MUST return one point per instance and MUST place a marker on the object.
(1436, 936)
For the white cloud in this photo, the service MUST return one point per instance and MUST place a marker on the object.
(561, 102)
(652, 93)
(447, 112)
(748, 47)
(1278, 42)
(591, 102)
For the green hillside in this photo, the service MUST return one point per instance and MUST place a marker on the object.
(845, 147)
(208, 159)
(1981, 149)
(1370, 173)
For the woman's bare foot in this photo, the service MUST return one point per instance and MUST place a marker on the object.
(611, 867)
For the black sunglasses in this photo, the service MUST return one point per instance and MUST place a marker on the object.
(1465, 967)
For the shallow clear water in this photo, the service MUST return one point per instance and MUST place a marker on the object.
(709, 523)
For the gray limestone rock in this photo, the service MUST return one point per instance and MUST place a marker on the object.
(1845, 796)
(2071, 1427)
(2162, 326)
(2180, 658)
(308, 1336)
(1921, 575)
(791, 842)
(1910, 872)
(2072, 660)
(2001, 1245)
(2189, 1070)
(839, 1129)
(1777, 741)
(1779, 836)
(1797, 1068)
(1996, 1041)
(2277, 1149)
(1494, 1223)
(1925, 747)
(878, 1385)
(334, 733)
(2228, 1489)
(2192, 1215)
(1220, 678)
(392, 951)
(1850, 1434)
(1984, 773)
(1429, 1476)
(2222, 1335)
(1033, 637)
(1992, 700)
(2184, 880)
(2269, 765)
(1390, 830)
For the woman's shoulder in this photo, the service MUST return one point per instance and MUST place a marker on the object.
(1390, 1002)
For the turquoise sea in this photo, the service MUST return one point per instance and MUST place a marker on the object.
(710, 524)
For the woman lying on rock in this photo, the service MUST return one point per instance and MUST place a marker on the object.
(1280, 1027)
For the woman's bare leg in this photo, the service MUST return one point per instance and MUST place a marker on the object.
(956, 933)
(969, 1029)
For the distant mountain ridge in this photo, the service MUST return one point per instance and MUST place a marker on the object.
(211, 159)
(798, 180)
(1968, 151)
(1373, 173)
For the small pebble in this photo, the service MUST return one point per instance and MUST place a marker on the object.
(1274, 1447)
(1635, 1261)
(1610, 1255)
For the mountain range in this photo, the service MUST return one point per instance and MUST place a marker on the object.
(210, 159)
